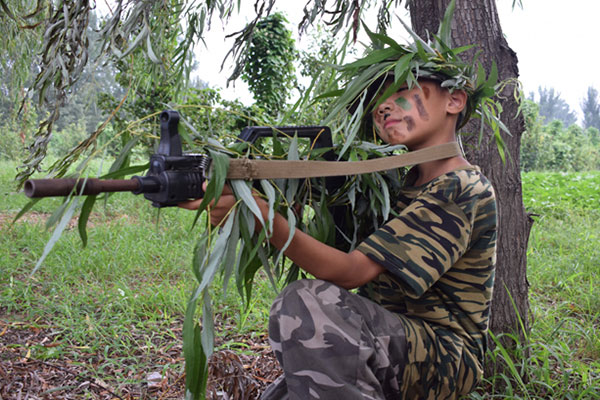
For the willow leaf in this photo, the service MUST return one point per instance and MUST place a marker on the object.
(242, 191)
(385, 212)
(25, 209)
(214, 188)
(493, 76)
(84, 215)
(291, 218)
(196, 366)
(199, 257)
(402, 65)
(208, 324)
(271, 197)
(229, 260)
(215, 255)
(376, 37)
(446, 24)
(126, 171)
(57, 233)
(126, 152)
(373, 58)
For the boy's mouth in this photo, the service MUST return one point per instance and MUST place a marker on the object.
(390, 122)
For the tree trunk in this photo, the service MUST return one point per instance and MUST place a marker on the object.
(476, 22)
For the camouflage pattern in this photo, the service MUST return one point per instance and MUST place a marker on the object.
(439, 253)
(334, 344)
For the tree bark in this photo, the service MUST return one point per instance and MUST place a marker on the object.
(477, 22)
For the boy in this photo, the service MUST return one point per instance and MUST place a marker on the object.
(416, 330)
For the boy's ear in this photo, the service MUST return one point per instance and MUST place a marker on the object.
(457, 101)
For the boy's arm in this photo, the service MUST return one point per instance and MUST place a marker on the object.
(348, 270)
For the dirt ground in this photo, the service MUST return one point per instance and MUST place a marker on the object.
(232, 375)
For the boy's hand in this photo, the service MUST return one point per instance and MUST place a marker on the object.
(218, 211)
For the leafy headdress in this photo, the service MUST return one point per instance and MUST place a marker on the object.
(434, 59)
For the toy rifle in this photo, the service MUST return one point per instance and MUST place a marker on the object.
(174, 177)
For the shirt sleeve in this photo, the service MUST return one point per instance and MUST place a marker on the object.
(422, 243)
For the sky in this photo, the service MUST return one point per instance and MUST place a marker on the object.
(553, 39)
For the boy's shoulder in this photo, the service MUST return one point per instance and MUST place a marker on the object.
(462, 184)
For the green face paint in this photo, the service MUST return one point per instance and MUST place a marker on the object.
(402, 102)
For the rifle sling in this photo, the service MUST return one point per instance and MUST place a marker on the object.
(244, 168)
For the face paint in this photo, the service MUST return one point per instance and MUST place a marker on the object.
(402, 102)
(410, 123)
(420, 107)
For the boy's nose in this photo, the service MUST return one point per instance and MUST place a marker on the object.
(384, 108)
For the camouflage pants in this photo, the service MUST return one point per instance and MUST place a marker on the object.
(333, 344)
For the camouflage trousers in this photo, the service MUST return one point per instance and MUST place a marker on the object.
(334, 344)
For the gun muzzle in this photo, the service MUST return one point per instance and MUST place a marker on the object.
(35, 188)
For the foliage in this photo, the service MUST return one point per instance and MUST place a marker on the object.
(15, 129)
(553, 107)
(269, 69)
(553, 147)
(557, 193)
(141, 26)
(590, 108)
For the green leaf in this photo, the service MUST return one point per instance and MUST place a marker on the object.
(446, 24)
(208, 324)
(493, 76)
(84, 215)
(243, 191)
(376, 37)
(196, 365)
(375, 57)
(126, 152)
(64, 221)
(402, 65)
(271, 197)
(126, 171)
(25, 209)
(291, 218)
(229, 259)
(208, 268)
(220, 166)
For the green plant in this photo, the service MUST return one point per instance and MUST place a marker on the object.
(269, 68)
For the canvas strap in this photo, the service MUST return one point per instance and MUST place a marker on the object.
(244, 168)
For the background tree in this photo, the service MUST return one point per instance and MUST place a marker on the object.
(590, 108)
(477, 22)
(269, 68)
(554, 147)
(552, 106)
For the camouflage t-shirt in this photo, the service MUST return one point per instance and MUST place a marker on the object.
(439, 254)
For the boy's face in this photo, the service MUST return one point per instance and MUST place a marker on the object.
(413, 117)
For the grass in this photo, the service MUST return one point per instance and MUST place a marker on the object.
(560, 358)
(115, 308)
(118, 304)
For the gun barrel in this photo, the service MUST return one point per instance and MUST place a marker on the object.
(63, 187)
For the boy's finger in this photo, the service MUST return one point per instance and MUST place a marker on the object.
(190, 204)
(226, 188)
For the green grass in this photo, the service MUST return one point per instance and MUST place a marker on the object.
(116, 306)
(560, 358)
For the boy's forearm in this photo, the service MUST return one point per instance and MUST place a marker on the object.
(348, 270)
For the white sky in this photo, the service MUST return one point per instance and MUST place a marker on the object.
(554, 41)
